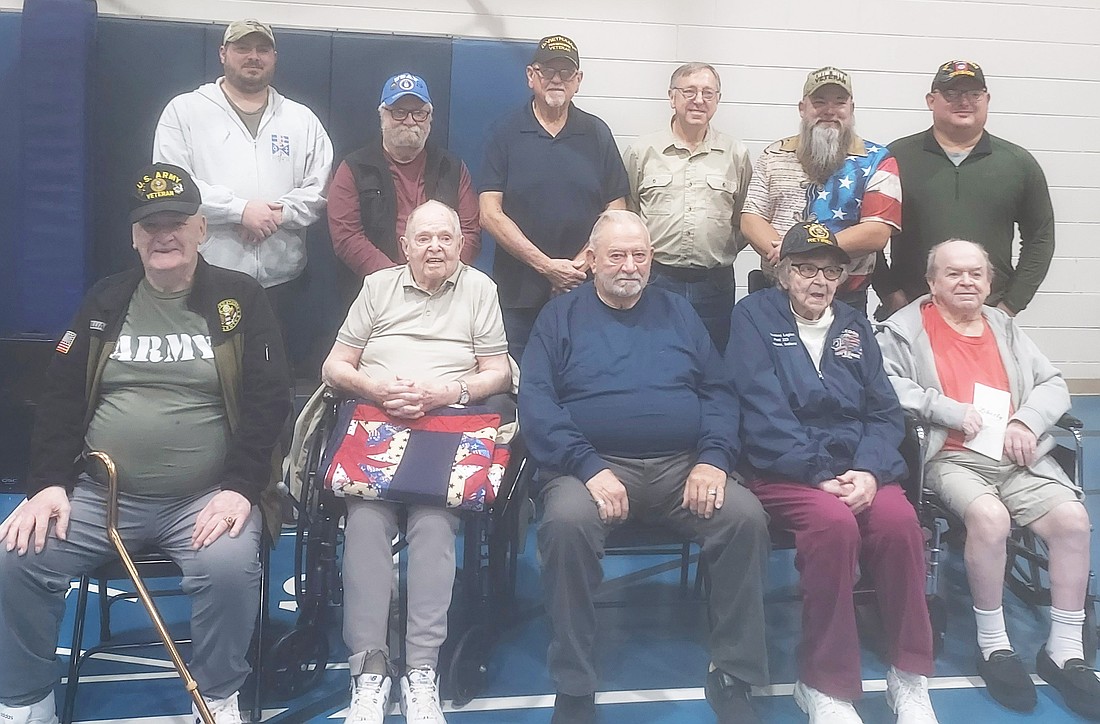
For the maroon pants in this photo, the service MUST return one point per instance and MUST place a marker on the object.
(830, 544)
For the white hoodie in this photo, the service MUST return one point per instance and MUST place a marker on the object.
(288, 163)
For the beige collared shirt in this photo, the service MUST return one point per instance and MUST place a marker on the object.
(409, 332)
(690, 199)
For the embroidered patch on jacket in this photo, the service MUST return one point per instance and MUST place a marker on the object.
(229, 312)
(280, 146)
(784, 339)
(97, 326)
(66, 342)
(848, 345)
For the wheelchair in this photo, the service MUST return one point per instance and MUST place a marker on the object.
(1027, 565)
(485, 583)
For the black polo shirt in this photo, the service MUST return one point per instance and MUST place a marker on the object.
(553, 188)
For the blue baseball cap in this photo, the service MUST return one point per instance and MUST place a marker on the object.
(404, 84)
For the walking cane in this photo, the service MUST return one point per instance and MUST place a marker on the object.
(189, 682)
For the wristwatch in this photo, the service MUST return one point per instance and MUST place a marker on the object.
(463, 392)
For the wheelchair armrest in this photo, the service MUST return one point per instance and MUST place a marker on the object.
(1069, 422)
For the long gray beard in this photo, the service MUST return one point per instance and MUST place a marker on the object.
(822, 150)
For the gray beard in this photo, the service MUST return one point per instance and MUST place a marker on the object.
(822, 150)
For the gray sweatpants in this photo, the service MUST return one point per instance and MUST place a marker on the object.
(223, 582)
(368, 575)
(734, 543)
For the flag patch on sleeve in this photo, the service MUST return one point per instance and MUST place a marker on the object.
(66, 342)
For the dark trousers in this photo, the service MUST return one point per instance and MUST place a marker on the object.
(830, 544)
(517, 327)
(734, 543)
(710, 291)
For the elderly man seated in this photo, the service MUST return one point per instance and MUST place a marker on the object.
(948, 355)
(175, 370)
(418, 337)
(626, 409)
(820, 431)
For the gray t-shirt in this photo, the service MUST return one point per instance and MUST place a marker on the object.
(160, 414)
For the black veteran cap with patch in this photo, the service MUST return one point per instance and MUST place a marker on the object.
(557, 46)
(811, 236)
(954, 70)
(163, 187)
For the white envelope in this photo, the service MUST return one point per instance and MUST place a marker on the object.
(993, 405)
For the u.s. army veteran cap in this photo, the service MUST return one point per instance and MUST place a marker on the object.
(163, 187)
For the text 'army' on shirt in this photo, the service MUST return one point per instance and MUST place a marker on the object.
(169, 348)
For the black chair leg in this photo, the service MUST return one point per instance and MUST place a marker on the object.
(74, 652)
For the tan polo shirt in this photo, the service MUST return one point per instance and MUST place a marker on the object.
(690, 200)
(405, 331)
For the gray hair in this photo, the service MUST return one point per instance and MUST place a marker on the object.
(613, 217)
(688, 69)
(382, 106)
(432, 203)
(930, 267)
(784, 269)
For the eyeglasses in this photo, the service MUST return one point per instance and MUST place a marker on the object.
(809, 271)
(566, 74)
(952, 95)
(400, 114)
(691, 94)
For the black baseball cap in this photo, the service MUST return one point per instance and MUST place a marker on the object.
(163, 187)
(811, 236)
(953, 70)
(553, 47)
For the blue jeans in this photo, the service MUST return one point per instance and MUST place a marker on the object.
(712, 297)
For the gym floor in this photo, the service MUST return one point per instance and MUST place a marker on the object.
(652, 648)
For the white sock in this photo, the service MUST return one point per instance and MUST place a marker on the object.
(1065, 636)
(992, 635)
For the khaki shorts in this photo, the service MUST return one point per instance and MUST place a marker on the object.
(961, 477)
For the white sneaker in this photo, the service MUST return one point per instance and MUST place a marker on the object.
(41, 712)
(420, 697)
(907, 695)
(224, 711)
(824, 709)
(370, 699)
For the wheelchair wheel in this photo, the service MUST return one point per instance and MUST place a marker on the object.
(296, 662)
(468, 672)
(937, 615)
(1089, 635)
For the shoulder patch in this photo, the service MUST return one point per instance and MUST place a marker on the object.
(229, 312)
(66, 342)
(97, 326)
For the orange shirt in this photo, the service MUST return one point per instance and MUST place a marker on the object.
(962, 361)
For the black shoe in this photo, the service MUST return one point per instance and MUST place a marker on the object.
(1076, 681)
(574, 709)
(1007, 681)
(730, 698)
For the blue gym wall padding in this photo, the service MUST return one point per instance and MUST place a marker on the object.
(49, 263)
(11, 214)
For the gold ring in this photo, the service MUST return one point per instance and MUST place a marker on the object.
(230, 520)
(712, 492)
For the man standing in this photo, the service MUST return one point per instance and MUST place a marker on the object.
(940, 353)
(376, 187)
(260, 160)
(550, 169)
(688, 183)
(628, 414)
(962, 182)
(827, 174)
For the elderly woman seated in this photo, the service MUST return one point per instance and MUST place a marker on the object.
(418, 337)
(820, 431)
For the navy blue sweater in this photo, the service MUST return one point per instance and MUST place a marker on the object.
(639, 383)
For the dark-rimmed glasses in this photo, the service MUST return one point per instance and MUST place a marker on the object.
(808, 271)
(691, 94)
(952, 95)
(566, 74)
(400, 114)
